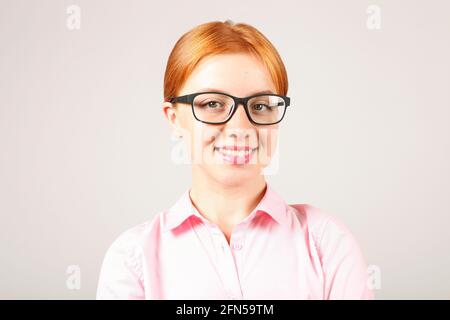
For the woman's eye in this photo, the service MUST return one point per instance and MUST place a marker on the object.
(259, 106)
(211, 104)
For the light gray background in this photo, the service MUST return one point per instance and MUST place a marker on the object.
(85, 150)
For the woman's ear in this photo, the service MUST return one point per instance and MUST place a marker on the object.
(170, 113)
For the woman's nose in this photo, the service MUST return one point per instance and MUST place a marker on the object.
(239, 128)
(239, 119)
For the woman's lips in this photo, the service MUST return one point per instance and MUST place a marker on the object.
(239, 148)
(235, 154)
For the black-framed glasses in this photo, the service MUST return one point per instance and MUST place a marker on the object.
(219, 107)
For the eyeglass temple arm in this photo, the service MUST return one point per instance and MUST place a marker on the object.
(182, 99)
(288, 101)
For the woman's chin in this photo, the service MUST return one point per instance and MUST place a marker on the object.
(233, 175)
(227, 179)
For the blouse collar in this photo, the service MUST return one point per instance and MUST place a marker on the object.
(271, 203)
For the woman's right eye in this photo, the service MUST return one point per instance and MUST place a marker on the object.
(210, 104)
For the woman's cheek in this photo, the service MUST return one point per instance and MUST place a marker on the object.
(268, 146)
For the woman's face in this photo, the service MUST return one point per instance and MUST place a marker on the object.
(240, 75)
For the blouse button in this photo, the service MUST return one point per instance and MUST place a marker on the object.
(237, 246)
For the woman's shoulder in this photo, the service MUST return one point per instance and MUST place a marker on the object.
(137, 235)
(121, 274)
(340, 255)
(320, 222)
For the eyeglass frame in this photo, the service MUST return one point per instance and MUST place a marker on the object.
(189, 98)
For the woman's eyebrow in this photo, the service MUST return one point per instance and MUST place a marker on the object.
(222, 91)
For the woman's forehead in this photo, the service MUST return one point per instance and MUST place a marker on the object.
(230, 65)
(239, 74)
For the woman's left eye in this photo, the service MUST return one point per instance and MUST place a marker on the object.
(212, 104)
(259, 106)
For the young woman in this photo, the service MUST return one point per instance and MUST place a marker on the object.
(231, 235)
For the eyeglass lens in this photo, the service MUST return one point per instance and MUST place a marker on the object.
(216, 107)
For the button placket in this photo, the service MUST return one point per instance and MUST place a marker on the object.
(226, 263)
(236, 246)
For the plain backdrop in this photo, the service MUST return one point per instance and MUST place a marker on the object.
(85, 149)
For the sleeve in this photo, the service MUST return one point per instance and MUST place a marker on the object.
(344, 266)
(121, 270)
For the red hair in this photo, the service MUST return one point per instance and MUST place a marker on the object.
(218, 37)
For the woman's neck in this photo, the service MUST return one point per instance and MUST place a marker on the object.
(226, 204)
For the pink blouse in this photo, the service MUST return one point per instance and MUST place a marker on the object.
(279, 251)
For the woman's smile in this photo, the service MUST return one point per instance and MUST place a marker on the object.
(235, 154)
